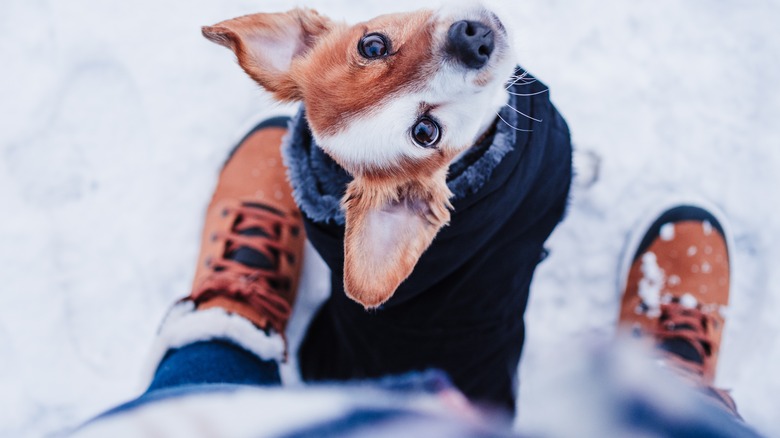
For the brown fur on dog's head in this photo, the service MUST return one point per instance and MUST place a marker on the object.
(362, 111)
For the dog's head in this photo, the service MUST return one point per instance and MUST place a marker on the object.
(393, 100)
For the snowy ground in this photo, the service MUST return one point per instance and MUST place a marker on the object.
(115, 115)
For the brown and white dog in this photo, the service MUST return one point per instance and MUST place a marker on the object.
(393, 100)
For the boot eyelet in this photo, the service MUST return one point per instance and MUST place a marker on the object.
(213, 237)
(225, 212)
(207, 262)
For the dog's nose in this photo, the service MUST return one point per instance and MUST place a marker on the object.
(471, 43)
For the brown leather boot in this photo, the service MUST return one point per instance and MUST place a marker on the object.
(675, 291)
(252, 245)
(250, 258)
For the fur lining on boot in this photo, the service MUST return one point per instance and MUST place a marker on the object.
(183, 326)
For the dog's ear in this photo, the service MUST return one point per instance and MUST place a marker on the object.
(387, 230)
(267, 45)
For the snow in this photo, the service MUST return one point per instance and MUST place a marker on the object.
(707, 227)
(688, 301)
(667, 232)
(116, 117)
(651, 284)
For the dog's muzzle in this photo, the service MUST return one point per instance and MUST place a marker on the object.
(471, 43)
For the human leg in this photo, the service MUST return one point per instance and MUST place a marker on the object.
(230, 329)
(676, 288)
(675, 284)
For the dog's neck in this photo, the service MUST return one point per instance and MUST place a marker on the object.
(488, 122)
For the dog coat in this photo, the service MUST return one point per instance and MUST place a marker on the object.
(461, 309)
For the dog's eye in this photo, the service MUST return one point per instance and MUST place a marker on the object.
(426, 132)
(373, 46)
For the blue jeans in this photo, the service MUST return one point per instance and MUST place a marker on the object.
(213, 366)
(204, 366)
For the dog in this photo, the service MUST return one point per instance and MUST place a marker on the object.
(393, 101)
(410, 122)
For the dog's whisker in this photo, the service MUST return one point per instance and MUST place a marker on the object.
(514, 82)
(513, 127)
(520, 84)
(523, 114)
(528, 94)
(514, 79)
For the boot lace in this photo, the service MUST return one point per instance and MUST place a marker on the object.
(690, 325)
(258, 287)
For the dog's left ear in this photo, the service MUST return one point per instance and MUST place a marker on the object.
(267, 45)
(388, 228)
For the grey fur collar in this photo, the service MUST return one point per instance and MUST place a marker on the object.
(319, 183)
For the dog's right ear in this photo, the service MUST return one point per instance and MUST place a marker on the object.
(267, 45)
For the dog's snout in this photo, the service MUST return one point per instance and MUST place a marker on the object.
(471, 43)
